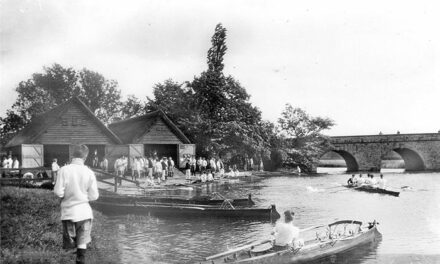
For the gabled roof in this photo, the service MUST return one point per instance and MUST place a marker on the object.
(130, 130)
(41, 122)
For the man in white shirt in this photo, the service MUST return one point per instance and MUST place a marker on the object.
(9, 162)
(381, 183)
(360, 181)
(285, 233)
(76, 186)
(104, 164)
(158, 170)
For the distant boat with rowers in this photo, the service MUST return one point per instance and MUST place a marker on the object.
(336, 238)
(373, 189)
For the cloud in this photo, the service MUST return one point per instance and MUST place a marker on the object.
(367, 65)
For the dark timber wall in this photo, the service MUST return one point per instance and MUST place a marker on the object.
(159, 134)
(74, 127)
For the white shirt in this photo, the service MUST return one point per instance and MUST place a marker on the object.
(381, 183)
(16, 164)
(136, 164)
(203, 178)
(76, 184)
(55, 166)
(212, 163)
(209, 177)
(8, 163)
(285, 233)
(158, 167)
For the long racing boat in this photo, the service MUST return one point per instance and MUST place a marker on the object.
(225, 210)
(372, 189)
(333, 239)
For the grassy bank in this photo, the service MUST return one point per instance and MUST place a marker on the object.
(31, 230)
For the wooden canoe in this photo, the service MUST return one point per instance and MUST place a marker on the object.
(187, 210)
(338, 239)
(371, 189)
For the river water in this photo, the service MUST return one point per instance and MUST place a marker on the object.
(409, 224)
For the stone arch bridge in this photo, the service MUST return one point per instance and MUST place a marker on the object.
(365, 153)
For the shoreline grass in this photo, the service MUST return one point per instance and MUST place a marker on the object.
(31, 230)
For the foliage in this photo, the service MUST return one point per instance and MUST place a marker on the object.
(58, 84)
(301, 137)
(132, 107)
(214, 109)
(31, 230)
(10, 125)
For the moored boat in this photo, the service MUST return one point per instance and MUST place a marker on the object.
(335, 238)
(226, 210)
(175, 199)
(372, 189)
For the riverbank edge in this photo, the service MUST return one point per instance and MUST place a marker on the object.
(31, 230)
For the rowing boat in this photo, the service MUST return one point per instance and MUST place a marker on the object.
(226, 210)
(333, 239)
(174, 199)
(372, 189)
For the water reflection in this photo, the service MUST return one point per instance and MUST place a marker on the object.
(408, 224)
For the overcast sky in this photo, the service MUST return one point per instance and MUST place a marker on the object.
(371, 66)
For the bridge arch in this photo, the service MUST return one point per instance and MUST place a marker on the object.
(350, 160)
(413, 161)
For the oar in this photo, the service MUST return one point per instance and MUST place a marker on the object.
(339, 186)
(311, 228)
(229, 252)
(341, 190)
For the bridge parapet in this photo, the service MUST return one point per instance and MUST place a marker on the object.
(389, 138)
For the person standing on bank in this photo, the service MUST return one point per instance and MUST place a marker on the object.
(54, 171)
(76, 186)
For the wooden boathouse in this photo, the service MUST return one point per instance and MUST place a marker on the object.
(51, 134)
(153, 134)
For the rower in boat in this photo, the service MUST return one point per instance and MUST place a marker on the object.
(360, 181)
(350, 181)
(381, 182)
(373, 181)
(286, 234)
(368, 180)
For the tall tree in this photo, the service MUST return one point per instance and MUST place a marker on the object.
(132, 107)
(301, 136)
(214, 109)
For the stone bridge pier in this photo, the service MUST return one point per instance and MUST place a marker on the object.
(365, 153)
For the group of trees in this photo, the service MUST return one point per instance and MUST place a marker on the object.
(213, 110)
(56, 85)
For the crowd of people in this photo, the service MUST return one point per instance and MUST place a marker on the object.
(207, 169)
(367, 181)
(154, 169)
(9, 162)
